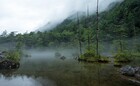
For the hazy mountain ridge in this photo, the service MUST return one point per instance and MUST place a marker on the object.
(121, 15)
(81, 13)
(122, 21)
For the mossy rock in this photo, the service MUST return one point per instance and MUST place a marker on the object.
(116, 64)
(87, 59)
(103, 59)
(82, 59)
(92, 59)
(99, 59)
(90, 56)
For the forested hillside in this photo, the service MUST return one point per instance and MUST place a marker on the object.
(122, 21)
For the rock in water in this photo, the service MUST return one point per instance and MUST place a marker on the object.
(131, 71)
(128, 71)
(137, 69)
(63, 57)
(137, 76)
(7, 64)
(134, 72)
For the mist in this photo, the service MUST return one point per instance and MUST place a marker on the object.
(30, 15)
(71, 7)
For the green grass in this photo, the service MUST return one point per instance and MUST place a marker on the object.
(123, 57)
(90, 56)
(13, 55)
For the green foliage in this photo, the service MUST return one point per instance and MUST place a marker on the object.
(117, 23)
(13, 55)
(90, 56)
(89, 53)
(120, 45)
(123, 57)
(19, 45)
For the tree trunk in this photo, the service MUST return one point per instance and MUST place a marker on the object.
(79, 35)
(88, 28)
(97, 31)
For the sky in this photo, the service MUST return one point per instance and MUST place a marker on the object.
(28, 15)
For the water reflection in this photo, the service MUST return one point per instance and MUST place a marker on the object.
(18, 81)
(72, 73)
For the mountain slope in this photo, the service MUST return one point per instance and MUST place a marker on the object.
(124, 15)
(120, 22)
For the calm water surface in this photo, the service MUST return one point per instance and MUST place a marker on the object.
(47, 70)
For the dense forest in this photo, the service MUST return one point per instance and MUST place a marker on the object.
(121, 21)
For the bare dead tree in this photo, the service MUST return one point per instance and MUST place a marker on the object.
(87, 15)
(97, 31)
(79, 35)
(134, 39)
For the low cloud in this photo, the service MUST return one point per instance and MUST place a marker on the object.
(29, 15)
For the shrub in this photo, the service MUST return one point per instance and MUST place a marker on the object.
(89, 53)
(123, 57)
(13, 55)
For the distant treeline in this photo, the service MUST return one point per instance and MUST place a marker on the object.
(120, 22)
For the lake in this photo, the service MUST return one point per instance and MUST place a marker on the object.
(44, 69)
